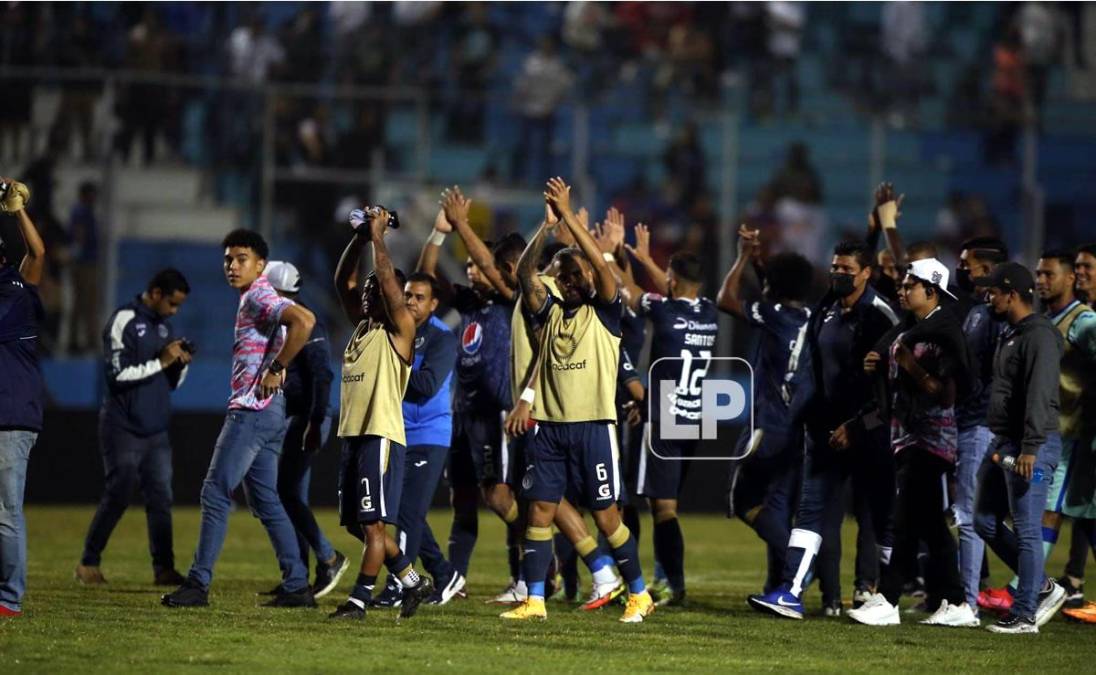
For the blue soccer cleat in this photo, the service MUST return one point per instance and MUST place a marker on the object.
(778, 602)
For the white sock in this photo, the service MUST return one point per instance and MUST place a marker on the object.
(520, 587)
(410, 579)
(605, 576)
(810, 542)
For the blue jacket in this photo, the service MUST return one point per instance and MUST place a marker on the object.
(308, 379)
(138, 397)
(427, 406)
(22, 389)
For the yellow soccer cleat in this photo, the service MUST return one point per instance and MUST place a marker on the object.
(1086, 614)
(640, 606)
(532, 608)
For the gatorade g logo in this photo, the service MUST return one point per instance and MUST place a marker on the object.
(472, 338)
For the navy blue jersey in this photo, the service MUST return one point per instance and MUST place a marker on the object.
(483, 352)
(308, 378)
(776, 355)
(22, 389)
(633, 333)
(682, 343)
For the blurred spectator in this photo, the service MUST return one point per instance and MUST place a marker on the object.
(363, 35)
(690, 63)
(684, 160)
(306, 51)
(473, 60)
(904, 38)
(253, 53)
(1042, 35)
(16, 49)
(84, 233)
(315, 137)
(1009, 100)
(784, 23)
(77, 46)
(418, 25)
(797, 179)
(584, 28)
(542, 85)
(144, 108)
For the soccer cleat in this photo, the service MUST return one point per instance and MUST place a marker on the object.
(779, 602)
(327, 576)
(996, 600)
(167, 576)
(675, 598)
(1075, 595)
(603, 594)
(516, 592)
(958, 616)
(189, 594)
(531, 608)
(443, 594)
(1013, 624)
(391, 596)
(861, 595)
(291, 600)
(877, 611)
(348, 610)
(1086, 614)
(415, 596)
(90, 575)
(1050, 601)
(833, 609)
(9, 613)
(639, 607)
(658, 588)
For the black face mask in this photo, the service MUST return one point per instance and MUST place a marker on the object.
(964, 280)
(843, 285)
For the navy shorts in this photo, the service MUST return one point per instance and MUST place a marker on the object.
(370, 480)
(662, 465)
(480, 454)
(579, 458)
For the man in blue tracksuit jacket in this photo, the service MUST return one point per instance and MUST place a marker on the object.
(144, 363)
(428, 422)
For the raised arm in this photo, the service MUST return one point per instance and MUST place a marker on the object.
(347, 287)
(34, 261)
(558, 195)
(886, 215)
(455, 206)
(642, 253)
(428, 259)
(533, 292)
(395, 305)
(729, 299)
(609, 236)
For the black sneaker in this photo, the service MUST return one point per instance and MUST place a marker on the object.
(189, 594)
(1075, 595)
(327, 576)
(348, 610)
(391, 596)
(277, 590)
(1014, 624)
(301, 598)
(414, 596)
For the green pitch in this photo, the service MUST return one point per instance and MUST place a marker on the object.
(122, 627)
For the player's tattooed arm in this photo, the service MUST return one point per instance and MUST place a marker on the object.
(455, 206)
(729, 299)
(533, 292)
(558, 195)
(347, 287)
(642, 253)
(395, 306)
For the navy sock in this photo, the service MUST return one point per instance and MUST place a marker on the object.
(670, 549)
(630, 516)
(363, 588)
(568, 563)
(462, 539)
(397, 564)
(513, 549)
(537, 558)
(626, 554)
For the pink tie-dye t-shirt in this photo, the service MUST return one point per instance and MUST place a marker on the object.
(259, 338)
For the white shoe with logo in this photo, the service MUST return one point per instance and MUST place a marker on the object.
(955, 616)
(876, 611)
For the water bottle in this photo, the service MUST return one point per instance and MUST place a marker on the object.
(1009, 464)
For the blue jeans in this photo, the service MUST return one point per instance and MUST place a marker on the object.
(424, 465)
(294, 480)
(14, 454)
(973, 444)
(1003, 493)
(129, 461)
(247, 451)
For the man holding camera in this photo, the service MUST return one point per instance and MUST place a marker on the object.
(144, 363)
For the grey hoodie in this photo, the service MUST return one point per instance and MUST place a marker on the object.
(1023, 404)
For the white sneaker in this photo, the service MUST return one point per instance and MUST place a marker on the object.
(859, 597)
(1049, 603)
(876, 612)
(515, 593)
(956, 616)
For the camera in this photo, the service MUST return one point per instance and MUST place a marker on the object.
(188, 346)
(361, 217)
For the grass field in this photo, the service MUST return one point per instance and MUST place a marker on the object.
(122, 627)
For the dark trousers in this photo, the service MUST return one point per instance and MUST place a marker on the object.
(424, 467)
(130, 461)
(294, 480)
(920, 515)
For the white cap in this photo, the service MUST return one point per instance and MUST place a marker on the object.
(932, 271)
(283, 276)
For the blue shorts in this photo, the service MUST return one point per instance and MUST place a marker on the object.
(480, 454)
(662, 465)
(579, 458)
(370, 480)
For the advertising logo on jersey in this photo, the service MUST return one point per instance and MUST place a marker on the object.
(472, 338)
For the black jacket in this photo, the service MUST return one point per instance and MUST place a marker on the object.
(1023, 401)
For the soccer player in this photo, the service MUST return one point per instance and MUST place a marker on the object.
(574, 445)
(144, 363)
(270, 332)
(926, 368)
(844, 435)
(307, 395)
(22, 391)
(764, 482)
(428, 423)
(376, 367)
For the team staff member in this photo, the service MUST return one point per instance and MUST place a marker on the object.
(1023, 416)
(307, 393)
(270, 332)
(144, 363)
(22, 391)
(376, 367)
